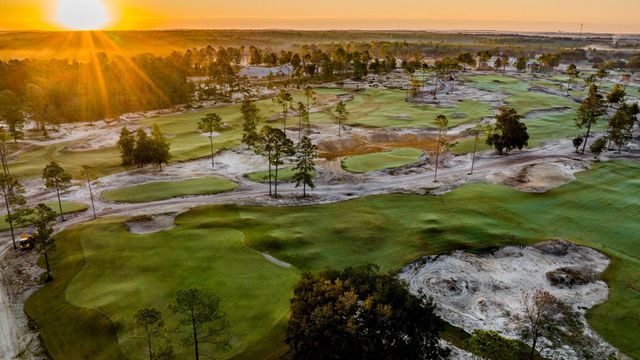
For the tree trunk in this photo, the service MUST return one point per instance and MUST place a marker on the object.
(275, 183)
(46, 261)
(308, 118)
(149, 345)
(532, 355)
(93, 205)
(284, 119)
(60, 204)
(299, 129)
(435, 175)
(13, 235)
(211, 141)
(269, 155)
(473, 159)
(195, 335)
(586, 138)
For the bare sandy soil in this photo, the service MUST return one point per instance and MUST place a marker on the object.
(19, 279)
(485, 291)
(150, 224)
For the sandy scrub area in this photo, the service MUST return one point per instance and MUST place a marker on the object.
(19, 278)
(485, 291)
(539, 177)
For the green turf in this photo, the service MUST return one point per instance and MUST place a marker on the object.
(156, 191)
(284, 175)
(388, 108)
(382, 160)
(181, 129)
(68, 207)
(541, 129)
(518, 95)
(600, 209)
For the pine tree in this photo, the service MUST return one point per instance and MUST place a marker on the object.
(590, 111)
(510, 133)
(305, 167)
(159, 147)
(251, 117)
(126, 145)
(208, 124)
(341, 115)
(56, 178)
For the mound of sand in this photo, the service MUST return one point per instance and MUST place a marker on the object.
(149, 224)
(485, 291)
(538, 178)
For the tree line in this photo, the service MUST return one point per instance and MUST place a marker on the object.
(55, 91)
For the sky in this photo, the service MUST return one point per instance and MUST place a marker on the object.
(613, 16)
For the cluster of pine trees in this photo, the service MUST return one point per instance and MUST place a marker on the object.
(140, 149)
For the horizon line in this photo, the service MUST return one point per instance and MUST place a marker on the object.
(453, 30)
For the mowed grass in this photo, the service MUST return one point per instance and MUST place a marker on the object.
(103, 272)
(518, 95)
(156, 191)
(541, 129)
(106, 273)
(388, 108)
(181, 129)
(68, 207)
(382, 160)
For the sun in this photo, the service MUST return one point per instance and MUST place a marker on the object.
(82, 14)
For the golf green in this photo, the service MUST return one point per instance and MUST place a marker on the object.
(382, 160)
(156, 191)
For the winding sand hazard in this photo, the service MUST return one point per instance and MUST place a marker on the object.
(485, 291)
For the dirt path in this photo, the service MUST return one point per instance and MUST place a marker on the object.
(8, 328)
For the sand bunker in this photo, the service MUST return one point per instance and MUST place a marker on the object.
(538, 177)
(485, 291)
(149, 224)
(378, 141)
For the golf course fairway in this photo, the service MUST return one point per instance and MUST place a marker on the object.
(103, 274)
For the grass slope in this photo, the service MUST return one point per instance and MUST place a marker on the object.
(181, 129)
(382, 160)
(68, 207)
(156, 191)
(600, 210)
(103, 271)
(388, 108)
(518, 95)
(541, 129)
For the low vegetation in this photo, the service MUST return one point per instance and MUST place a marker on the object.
(156, 191)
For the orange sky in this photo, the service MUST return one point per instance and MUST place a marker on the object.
(617, 16)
